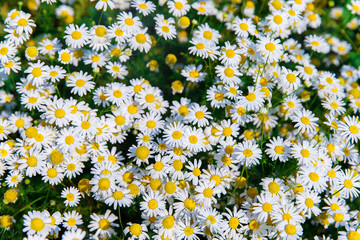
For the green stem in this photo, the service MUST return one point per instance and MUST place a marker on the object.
(102, 11)
(27, 206)
(122, 228)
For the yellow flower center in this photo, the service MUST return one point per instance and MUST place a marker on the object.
(37, 224)
(270, 47)
(142, 152)
(141, 38)
(267, 207)
(135, 229)
(290, 229)
(104, 224)
(76, 35)
(104, 184)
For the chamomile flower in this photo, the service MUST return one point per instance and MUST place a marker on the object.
(137, 231)
(349, 182)
(228, 74)
(248, 153)
(76, 37)
(36, 222)
(129, 23)
(103, 5)
(71, 195)
(308, 202)
(193, 73)
(254, 100)
(206, 193)
(7, 51)
(199, 115)
(144, 7)
(230, 55)
(55, 73)
(120, 197)
(313, 177)
(153, 204)
(22, 23)
(271, 49)
(350, 128)
(74, 234)
(140, 41)
(265, 206)
(103, 224)
(178, 8)
(290, 230)
(71, 220)
(81, 83)
(278, 149)
(305, 121)
(305, 152)
(165, 27)
(317, 44)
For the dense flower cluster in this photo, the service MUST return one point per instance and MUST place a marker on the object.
(194, 119)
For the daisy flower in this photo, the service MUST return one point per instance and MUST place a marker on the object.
(313, 177)
(37, 73)
(216, 96)
(14, 178)
(71, 220)
(230, 55)
(199, 115)
(334, 104)
(248, 153)
(55, 73)
(144, 7)
(265, 206)
(349, 182)
(235, 220)
(305, 121)
(74, 234)
(186, 230)
(278, 149)
(137, 231)
(308, 202)
(206, 193)
(128, 23)
(193, 73)
(52, 174)
(228, 75)
(317, 44)
(254, 100)
(22, 23)
(36, 222)
(7, 51)
(165, 27)
(153, 204)
(178, 8)
(76, 37)
(71, 195)
(117, 93)
(32, 100)
(278, 21)
(49, 47)
(354, 7)
(103, 224)
(290, 230)
(140, 41)
(65, 56)
(271, 49)
(350, 128)
(206, 33)
(141, 153)
(103, 5)
(305, 153)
